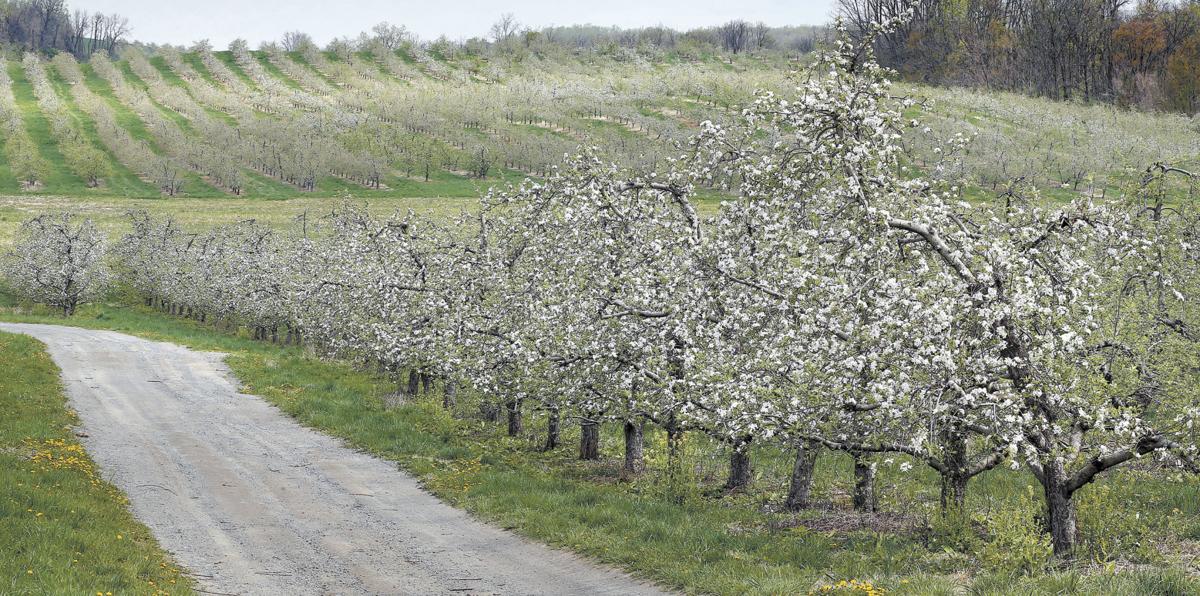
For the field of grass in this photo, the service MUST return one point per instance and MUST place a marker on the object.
(64, 530)
(1141, 525)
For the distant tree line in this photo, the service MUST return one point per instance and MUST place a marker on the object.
(735, 37)
(50, 25)
(1144, 54)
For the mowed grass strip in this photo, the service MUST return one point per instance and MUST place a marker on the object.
(121, 180)
(133, 123)
(58, 177)
(63, 529)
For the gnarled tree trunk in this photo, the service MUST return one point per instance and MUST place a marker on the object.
(515, 422)
(414, 380)
(955, 476)
(864, 484)
(634, 449)
(800, 487)
(1060, 508)
(589, 440)
(552, 429)
(739, 465)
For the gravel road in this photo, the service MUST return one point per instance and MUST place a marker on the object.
(253, 503)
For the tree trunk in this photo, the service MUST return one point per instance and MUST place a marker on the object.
(490, 411)
(800, 488)
(552, 430)
(739, 466)
(514, 417)
(589, 440)
(413, 382)
(426, 382)
(954, 492)
(954, 479)
(634, 448)
(449, 394)
(1060, 509)
(864, 484)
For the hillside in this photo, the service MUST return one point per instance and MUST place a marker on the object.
(275, 124)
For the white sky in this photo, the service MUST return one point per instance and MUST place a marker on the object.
(221, 21)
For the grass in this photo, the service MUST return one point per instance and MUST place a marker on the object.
(121, 180)
(59, 177)
(132, 122)
(299, 58)
(235, 68)
(701, 539)
(274, 71)
(64, 529)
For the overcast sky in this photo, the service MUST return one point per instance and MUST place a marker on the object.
(221, 21)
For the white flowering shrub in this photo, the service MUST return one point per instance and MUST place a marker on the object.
(58, 260)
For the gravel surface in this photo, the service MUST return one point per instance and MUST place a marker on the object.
(251, 502)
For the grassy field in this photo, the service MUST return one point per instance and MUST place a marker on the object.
(1143, 528)
(64, 529)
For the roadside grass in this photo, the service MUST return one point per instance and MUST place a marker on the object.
(64, 529)
(1138, 524)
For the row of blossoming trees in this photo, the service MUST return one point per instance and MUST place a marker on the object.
(833, 304)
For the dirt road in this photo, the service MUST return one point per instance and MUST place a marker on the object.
(253, 503)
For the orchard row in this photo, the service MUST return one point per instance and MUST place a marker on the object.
(834, 302)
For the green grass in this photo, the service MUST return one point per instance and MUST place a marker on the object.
(274, 71)
(168, 75)
(298, 58)
(193, 59)
(173, 78)
(8, 181)
(58, 178)
(121, 180)
(64, 530)
(701, 539)
(131, 122)
(135, 81)
(235, 68)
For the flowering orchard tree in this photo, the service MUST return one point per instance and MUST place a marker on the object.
(600, 275)
(896, 307)
(59, 261)
(373, 290)
(845, 280)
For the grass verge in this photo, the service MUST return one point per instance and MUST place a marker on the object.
(64, 530)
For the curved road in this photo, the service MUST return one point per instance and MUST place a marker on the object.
(253, 503)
